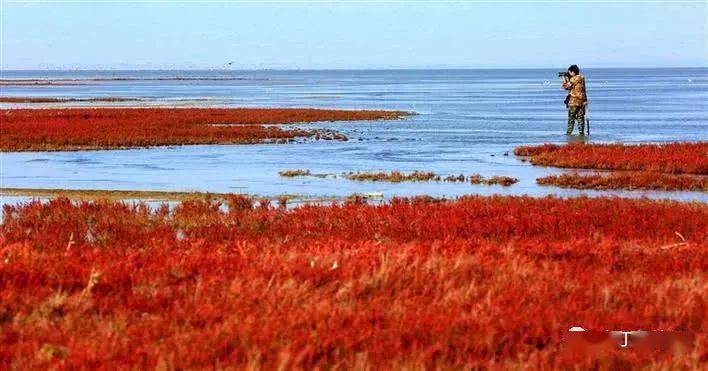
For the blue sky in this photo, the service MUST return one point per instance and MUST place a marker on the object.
(313, 35)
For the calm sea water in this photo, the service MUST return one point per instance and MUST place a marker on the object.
(468, 121)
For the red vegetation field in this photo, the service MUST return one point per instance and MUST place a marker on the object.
(480, 282)
(63, 100)
(673, 158)
(651, 166)
(111, 128)
(644, 180)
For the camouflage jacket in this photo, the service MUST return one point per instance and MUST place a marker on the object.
(577, 91)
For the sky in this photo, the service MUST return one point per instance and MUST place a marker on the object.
(351, 34)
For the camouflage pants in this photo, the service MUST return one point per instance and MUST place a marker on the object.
(576, 113)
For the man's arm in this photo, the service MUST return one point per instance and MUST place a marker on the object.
(567, 85)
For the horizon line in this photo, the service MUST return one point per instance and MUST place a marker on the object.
(325, 69)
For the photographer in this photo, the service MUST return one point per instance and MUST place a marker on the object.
(574, 82)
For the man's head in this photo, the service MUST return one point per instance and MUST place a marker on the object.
(574, 70)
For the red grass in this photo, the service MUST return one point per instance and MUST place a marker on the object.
(674, 158)
(63, 100)
(480, 282)
(111, 128)
(634, 180)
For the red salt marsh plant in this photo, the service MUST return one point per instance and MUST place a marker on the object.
(673, 158)
(64, 100)
(481, 282)
(113, 128)
(643, 180)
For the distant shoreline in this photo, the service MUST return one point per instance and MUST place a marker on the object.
(341, 69)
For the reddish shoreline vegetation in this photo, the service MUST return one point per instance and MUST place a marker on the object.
(643, 180)
(118, 128)
(669, 167)
(671, 158)
(65, 100)
(477, 282)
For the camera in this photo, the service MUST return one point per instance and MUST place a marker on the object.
(564, 74)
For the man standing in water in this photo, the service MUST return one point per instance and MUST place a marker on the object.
(577, 99)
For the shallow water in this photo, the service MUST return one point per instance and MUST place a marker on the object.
(467, 122)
